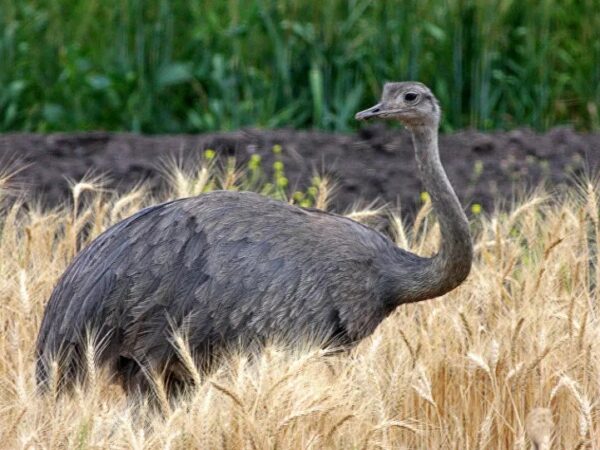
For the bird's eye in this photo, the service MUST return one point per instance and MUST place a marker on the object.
(410, 96)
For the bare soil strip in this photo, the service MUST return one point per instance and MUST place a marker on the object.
(486, 169)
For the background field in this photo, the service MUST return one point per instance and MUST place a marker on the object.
(373, 166)
(177, 66)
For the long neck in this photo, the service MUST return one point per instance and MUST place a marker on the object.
(451, 265)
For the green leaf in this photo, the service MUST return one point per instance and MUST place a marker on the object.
(16, 87)
(53, 113)
(174, 73)
(434, 31)
(98, 82)
(316, 87)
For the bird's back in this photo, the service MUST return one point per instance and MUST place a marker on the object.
(222, 268)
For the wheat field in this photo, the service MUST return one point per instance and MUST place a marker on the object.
(460, 372)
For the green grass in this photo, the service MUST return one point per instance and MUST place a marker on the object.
(177, 66)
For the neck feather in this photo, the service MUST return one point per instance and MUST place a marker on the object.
(451, 265)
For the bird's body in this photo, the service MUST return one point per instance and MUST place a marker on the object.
(234, 269)
(220, 273)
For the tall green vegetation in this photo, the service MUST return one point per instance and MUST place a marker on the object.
(180, 66)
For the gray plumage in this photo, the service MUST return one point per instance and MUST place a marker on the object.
(239, 269)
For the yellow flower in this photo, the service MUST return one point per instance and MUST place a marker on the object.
(254, 162)
(282, 182)
(476, 208)
(209, 154)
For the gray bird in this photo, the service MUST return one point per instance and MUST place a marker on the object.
(236, 269)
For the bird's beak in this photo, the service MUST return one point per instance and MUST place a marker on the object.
(373, 111)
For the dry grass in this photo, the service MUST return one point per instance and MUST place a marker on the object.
(459, 372)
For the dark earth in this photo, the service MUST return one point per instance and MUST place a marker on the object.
(488, 169)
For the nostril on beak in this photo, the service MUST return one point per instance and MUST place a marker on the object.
(368, 113)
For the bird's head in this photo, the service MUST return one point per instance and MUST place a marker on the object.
(410, 102)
